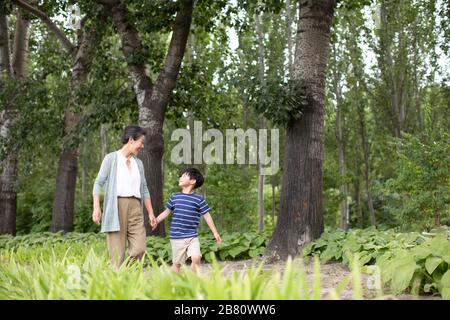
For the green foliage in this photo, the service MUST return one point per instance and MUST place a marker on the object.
(5, 7)
(25, 102)
(83, 218)
(355, 4)
(282, 102)
(420, 189)
(46, 244)
(231, 195)
(424, 267)
(414, 261)
(220, 86)
(153, 15)
(66, 273)
(234, 245)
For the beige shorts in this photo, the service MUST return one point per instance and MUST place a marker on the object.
(184, 248)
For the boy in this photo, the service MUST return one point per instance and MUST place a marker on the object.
(187, 207)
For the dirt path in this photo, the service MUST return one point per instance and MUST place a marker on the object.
(331, 275)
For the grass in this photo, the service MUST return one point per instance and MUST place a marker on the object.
(81, 273)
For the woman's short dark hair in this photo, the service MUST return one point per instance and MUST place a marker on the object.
(134, 132)
(194, 174)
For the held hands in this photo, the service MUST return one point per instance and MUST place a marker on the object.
(153, 221)
(97, 216)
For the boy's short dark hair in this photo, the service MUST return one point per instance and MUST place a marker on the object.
(134, 132)
(194, 174)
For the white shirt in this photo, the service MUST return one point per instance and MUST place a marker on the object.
(128, 181)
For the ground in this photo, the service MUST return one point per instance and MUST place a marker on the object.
(331, 275)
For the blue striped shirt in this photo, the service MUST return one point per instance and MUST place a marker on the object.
(187, 210)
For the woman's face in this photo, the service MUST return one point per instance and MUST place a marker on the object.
(137, 145)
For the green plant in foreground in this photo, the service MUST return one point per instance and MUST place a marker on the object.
(235, 245)
(418, 262)
(67, 276)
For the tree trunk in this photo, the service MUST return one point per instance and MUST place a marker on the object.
(301, 207)
(357, 196)
(262, 80)
(62, 215)
(340, 139)
(365, 147)
(7, 192)
(20, 52)
(343, 190)
(84, 192)
(289, 36)
(152, 99)
(437, 219)
(84, 171)
(395, 74)
(260, 189)
(8, 178)
(153, 120)
(5, 57)
(416, 86)
(273, 185)
(8, 195)
(63, 205)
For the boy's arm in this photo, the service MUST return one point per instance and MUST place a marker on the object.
(210, 222)
(163, 215)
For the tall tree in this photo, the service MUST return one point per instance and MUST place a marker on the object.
(359, 99)
(14, 68)
(337, 71)
(405, 43)
(262, 80)
(152, 98)
(301, 209)
(63, 207)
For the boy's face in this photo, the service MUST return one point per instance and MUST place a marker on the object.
(185, 180)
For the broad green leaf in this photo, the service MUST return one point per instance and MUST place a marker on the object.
(402, 276)
(445, 280)
(432, 263)
(353, 245)
(236, 251)
(364, 259)
(445, 293)
(256, 252)
(446, 258)
(329, 253)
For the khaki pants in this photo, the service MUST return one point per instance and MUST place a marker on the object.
(132, 230)
(184, 248)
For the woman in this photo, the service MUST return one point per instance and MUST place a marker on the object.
(126, 192)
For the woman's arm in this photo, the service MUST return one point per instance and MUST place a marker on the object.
(97, 212)
(102, 176)
(151, 215)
